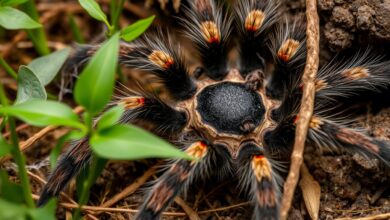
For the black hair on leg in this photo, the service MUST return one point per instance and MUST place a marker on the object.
(255, 18)
(288, 48)
(210, 32)
(76, 159)
(171, 183)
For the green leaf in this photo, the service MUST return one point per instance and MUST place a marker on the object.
(110, 117)
(5, 148)
(95, 85)
(127, 142)
(47, 212)
(47, 67)
(12, 2)
(12, 19)
(94, 10)
(29, 86)
(11, 211)
(43, 113)
(10, 191)
(133, 31)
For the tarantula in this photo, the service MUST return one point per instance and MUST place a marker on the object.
(237, 121)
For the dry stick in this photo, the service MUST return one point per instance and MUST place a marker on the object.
(129, 189)
(224, 208)
(373, 217)
(26, 144)
(192, 215)
(36, 197)
(101, 209)
(19, 128)
(306, 111)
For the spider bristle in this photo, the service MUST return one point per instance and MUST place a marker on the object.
(279, 140)
(258, 179)
(76, 159)
(254, 20)
(165, 119)
(255, 17)
(288, 48)
(326, 133)
(171, 183)
(266, 201)
(209, 30)
(156, 53)
(340, 80)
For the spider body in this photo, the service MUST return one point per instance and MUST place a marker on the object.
(238, 121)
(227, 113)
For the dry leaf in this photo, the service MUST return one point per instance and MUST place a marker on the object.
(311, 191)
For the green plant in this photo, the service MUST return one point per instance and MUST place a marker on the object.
(92, 91)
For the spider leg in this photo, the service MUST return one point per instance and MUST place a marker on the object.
(258, 177)
(157, 54)
(254, 19)
(76, 159)
(168, 121)
(326, 133)
(288, 48)
(209, 30)
(154, 53)
(172, 182)
(345, 80)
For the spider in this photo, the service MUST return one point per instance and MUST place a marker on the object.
(236, 119)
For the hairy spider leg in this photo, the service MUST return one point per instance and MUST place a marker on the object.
(259, 178)
(167, 121)
(172, 182)
(326, 133)
(209, 31)
(254, 20)
(288, 48)
(157, 54)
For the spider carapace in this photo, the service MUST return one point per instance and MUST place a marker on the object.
(229, 113)
(235, 114)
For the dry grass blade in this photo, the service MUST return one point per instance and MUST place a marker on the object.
(311, 191)
(130, 189)
(373, 217)
(306, 111)
(192, 215)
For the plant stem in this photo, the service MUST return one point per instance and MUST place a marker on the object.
(37, 36)
(77, 36)
(21, 162)
(95, 168)
(17, 154)
(116, 10)
(8, 69)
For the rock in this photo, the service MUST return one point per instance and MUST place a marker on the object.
(326, 5)
(338, 38)
(364, 18)
(343, 17)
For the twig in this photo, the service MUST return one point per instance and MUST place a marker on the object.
(224, 208)
(306, 111)
(190, 212)
(101, 209)
(43, 182)
(129, 189)
(19, 128)
(372, 217)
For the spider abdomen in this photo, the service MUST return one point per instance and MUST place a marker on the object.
(230, 107)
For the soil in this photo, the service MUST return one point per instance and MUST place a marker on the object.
(351, 185)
